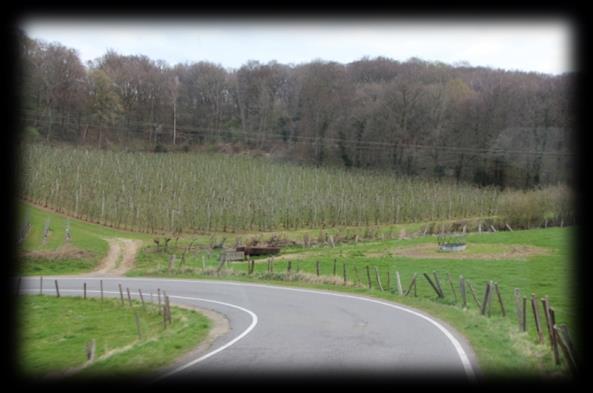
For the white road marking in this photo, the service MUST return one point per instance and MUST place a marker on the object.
(469, 371)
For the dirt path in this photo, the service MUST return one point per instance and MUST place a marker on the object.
(119, 259)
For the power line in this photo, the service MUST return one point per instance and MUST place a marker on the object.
(303, 139)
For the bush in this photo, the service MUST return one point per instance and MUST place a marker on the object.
(528, 209)
(160, 148)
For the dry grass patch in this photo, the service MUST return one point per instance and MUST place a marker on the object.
(473, 251)
(65, 251)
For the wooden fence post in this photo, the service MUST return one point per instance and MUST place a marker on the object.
(555, 337)
(439, 294)
(57, 289)
(334, 271)
(90, 350)
(462, 292)
(566, 346)
(485, 301)
(438, 284)
(538, 327)
(141, 297)
(41, 285)
(378, 278)
(159, 295)
(399, 283)
(499, 299)
(546, 305)
(101, 285)
(121, 294)
(471, 290)
(317, 268)
(289, 267)
(412, 283)
(452, 287)
(168, 309)
(389, 281)
(345, 278)
(368, 276)
(129, 297)
(517, 294)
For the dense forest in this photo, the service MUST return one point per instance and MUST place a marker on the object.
(412, 118)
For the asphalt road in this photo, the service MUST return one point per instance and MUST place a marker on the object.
(279, 330)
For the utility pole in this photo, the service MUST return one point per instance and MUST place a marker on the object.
(175, 109)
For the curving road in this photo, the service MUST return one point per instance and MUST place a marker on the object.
(276, 330)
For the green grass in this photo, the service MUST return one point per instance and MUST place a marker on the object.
(54, 332)
(86, 237)
(501, 349)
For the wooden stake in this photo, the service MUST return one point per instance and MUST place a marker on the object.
(462, 291)
(289, 267)
(90, 350)
(84, 291)
(538, 327)
(399, 283)
(554, 337)
(452, 288)
(101, 285)
(141, 297)
(412, 283)
(368, 276)
(471, 290)
(517, 294)
(566, 346)
(378, 278)
(432, 285)
(168, 310)
(57, 289)
(388, 281)
(121, 294)
(499, 299)
(129, 297)
(485, 301)
(344, 269)
(546, 305)
(334, 271)
(159, 295)
(438, 284)
(41, 285)
(317, 268)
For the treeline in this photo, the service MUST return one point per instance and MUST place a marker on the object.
(414, 118)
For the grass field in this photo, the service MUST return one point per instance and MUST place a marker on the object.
(538, 261)
(54, 333)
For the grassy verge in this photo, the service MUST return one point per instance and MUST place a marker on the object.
(55, 332)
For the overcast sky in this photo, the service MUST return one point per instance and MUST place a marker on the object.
(541, 46)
